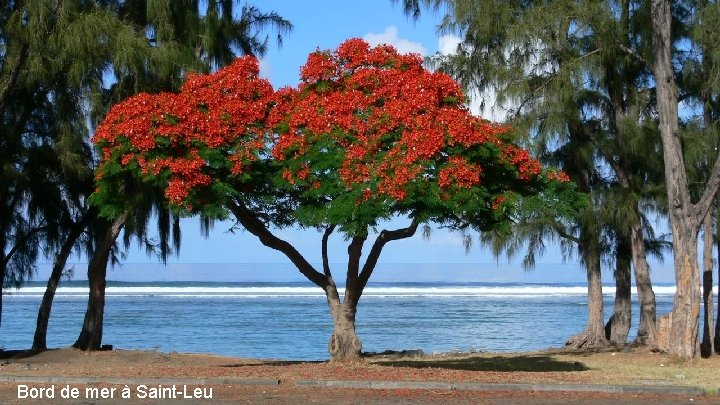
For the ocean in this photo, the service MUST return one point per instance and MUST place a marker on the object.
(291, 320)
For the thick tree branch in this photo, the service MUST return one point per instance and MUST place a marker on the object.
(326, 262)
(701, 208)
(352, 294)
(257, 228)
(372, 259)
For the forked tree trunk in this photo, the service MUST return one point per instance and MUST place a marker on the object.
(706, 348)
(685, 217)
(90, 337)
(344, 344)
(618, 326)
(43, 318)
(647, 326)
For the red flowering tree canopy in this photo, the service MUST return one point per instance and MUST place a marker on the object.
(368, 134)
(196, 145)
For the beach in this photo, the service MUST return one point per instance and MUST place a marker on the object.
(267, 343)
(559, 376)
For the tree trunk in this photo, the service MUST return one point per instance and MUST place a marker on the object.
(683, 337)
(2, 284)
(685, 217)
(594, 334)
(90, 337)
(717, 318)
(344, 344)
(647, 326)
(43, 318)
(706, 348)
(3, 269)
(618, 326)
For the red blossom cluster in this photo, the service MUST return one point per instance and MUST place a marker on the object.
(395, 122)
(169, 133)
(526, 165)
(459, 172)
(370, 120)
(555, 175)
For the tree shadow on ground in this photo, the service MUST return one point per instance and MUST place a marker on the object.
(273, 363)
(20, 354)
(533, 363)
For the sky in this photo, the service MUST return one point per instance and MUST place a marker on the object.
(324, 24)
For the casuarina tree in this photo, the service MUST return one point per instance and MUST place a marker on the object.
(369, 135)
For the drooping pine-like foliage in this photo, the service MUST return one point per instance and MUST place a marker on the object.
(368, 134)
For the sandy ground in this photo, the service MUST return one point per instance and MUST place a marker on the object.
(169, 378)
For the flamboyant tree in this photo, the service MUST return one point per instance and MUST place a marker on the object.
(368, 135)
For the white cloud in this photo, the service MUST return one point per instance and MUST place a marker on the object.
(390, 37)
(447, 44)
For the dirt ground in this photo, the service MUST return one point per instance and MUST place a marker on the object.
(168, 378)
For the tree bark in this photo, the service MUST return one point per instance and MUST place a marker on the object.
(594, 334)
(686, 304)
(685, 217)
(618, 326)
(706, 346)
(90, 337)
(3, 269)
(43, 318)
(647, 326)
(344, 345)
(717, 318)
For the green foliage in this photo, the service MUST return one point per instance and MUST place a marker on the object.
(323, 155)
(578, 90)
(55, 59)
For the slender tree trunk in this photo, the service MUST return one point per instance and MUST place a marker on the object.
(2, 285)
(3, 270)
(43, 318)
(622, 93)
(647, 326)
(618, 326)
(90, 337)
(706, 348)
(717, 318)
(594, 334)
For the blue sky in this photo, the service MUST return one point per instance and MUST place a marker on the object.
(325, 24)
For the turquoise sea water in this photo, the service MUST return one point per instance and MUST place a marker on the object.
(291, 320)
